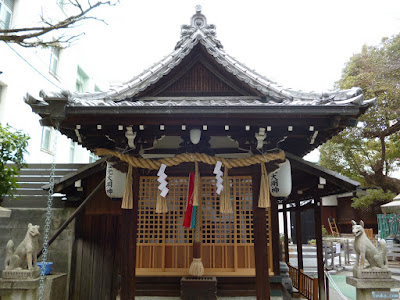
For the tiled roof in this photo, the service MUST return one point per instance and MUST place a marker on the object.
(191, 35)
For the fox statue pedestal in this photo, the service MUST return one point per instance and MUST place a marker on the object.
(27, 289)
(375, 280)
(366, 288)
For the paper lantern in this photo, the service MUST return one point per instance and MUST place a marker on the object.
(280, 181)
(115, 182)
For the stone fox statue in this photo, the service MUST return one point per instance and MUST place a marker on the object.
(376, 256)
(26, 251)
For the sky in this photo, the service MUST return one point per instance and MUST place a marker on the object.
(303, 45)
(299, 44)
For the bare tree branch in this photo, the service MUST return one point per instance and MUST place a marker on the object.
(35, 36)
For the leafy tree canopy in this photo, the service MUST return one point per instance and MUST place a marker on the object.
(13, 144)
(371, 150)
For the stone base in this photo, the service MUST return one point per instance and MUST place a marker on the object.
(372, 273)
(5, 212)
(21, 274)
(54, 288)
(365, 287)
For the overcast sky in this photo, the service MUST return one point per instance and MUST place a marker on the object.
(298, 44)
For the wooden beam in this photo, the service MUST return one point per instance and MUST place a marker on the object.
(318, 235)
(260, 240)
(302, 207)
(84, 172)
(128, 243)
(285, 232)
(73, 216)
(274, 221)
(299, 237)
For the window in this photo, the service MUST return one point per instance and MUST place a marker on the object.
(47, 136)
(72, 151)
(54, 58)
(92, 157)
(6, 8)
(82, 81)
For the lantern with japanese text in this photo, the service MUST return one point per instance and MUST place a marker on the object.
(115, 182)
(280, 180)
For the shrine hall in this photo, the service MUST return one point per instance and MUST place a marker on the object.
(199, 155)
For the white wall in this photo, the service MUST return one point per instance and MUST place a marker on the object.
(26, 70)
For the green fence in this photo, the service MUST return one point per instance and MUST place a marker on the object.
(388, 225)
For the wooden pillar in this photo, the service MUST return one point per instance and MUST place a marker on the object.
(260, 239)
(318, 236)
(299, 237)
(274, 221)
(285, 232)
(128, 243)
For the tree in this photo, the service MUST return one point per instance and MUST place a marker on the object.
(370, 151)
(39, 35)
(13, 145)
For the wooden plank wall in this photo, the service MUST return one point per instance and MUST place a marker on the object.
(95, 265)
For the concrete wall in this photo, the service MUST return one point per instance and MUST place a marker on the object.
(15, 227)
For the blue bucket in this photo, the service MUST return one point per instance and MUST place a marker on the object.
(48, 268)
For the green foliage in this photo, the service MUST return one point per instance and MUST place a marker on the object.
(324, 231)
(13, 144)
(370, 151)
(372, 197)
(312, 242)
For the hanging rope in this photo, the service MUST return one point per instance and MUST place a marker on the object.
(264, 200)
(127, 200)
(196, 267)
(154, 164)
(225, 198)
(196, 191)
(161, 203)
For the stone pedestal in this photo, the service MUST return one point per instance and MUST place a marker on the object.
(27, 289)
(21, 274)
(365, 286)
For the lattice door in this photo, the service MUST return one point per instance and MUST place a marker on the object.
(165, 247)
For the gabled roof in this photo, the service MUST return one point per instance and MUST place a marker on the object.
(200, 33)
(199, 85)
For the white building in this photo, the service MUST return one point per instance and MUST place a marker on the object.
(26, 70)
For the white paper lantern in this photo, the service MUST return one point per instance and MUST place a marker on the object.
(280, 181)
(115, 182)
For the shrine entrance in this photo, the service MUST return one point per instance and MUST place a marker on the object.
(164, 246)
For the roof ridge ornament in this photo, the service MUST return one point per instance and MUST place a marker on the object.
(198, 22)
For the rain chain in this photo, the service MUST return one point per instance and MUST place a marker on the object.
(47, 222)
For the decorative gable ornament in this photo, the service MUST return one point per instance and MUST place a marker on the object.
(280, 181)
(115, 182)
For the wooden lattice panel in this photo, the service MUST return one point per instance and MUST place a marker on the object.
(217, 228)
(165, 247)
(242, 195)
(150, 224)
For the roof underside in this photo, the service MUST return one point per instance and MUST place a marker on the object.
(305, 178)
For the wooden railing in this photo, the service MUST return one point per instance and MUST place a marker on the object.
(305, 284)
